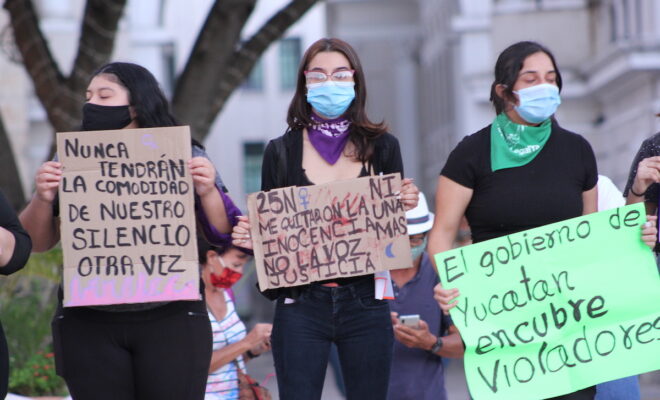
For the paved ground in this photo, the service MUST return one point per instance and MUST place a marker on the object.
(261, 367)
(262, 370)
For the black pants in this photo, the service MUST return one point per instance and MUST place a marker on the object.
(157, 354)
(348, 316)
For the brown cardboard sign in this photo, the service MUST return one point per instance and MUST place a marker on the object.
(127, 216)
(335, 230)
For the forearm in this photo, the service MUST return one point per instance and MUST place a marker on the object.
(215, 211)
(633, 199)
(441, 239)
(228, 354)
(7, 245)
(37, 219)
(452, 346)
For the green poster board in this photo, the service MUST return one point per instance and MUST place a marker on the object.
(558, 308)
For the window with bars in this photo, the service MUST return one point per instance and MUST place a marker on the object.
(253, 153)
(255, 81)
(290, 52)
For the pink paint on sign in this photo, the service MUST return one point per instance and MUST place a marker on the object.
(139, 289)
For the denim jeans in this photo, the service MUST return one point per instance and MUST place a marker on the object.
(348, 316)
(620, 389)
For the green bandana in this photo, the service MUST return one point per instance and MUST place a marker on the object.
(513, 145)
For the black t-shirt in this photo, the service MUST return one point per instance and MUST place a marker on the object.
(548, 189)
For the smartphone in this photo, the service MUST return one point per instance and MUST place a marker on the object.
(411, 320)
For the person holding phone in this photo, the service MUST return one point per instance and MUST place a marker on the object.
(424, 335)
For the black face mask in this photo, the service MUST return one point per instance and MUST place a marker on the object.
(104, 118)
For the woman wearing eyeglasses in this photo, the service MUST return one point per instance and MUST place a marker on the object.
(330, 138)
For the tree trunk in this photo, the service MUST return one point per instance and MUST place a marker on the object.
(10, 181)
(197, 101)
(216, 66)
(61, 97)
(214, 46)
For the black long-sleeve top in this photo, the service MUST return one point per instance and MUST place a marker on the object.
(23, 247)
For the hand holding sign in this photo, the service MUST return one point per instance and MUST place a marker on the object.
(48, 180)
(409, 195)
(240, 234)
(203, 175)
(650, 231)
(445, 297)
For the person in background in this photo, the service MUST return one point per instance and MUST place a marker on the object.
(15, 247)
(221, 268)
(643, 179)
(417, 367)
(609, 196)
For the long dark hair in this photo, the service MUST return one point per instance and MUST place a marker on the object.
(203, 246)
(362, 131)
(508, 66)
(145, 95)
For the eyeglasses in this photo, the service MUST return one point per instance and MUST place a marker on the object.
(416, 240)
(345, 75)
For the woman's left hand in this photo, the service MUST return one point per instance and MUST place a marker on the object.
(650, 231)
(409, 195)
(203, 175)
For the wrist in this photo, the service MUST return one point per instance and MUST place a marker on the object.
(251, 354)
(634, 189)
(639, 188)
(436, 346)
(430, 341)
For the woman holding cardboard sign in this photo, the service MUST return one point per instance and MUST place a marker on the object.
(522, 171)
(132, 351)
(330, 138)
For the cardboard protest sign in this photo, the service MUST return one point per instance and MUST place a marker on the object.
(127, 216)
(558, 308)
(335, 230)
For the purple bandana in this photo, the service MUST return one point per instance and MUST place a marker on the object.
(329, 137)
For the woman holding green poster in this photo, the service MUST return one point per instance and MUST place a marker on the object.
(522, 171)
(156, 350)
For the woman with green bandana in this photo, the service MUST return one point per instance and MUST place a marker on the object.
(522, 171)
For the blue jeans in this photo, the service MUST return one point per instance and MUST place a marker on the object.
(348, 316)
(620, 389)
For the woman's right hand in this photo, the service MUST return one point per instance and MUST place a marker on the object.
(48, 180)
(444, 297)
(240, 235)
(259, 338)
(648, 172)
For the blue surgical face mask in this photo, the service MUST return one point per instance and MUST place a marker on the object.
(538, 103)
(417, 251)
(331, 99)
